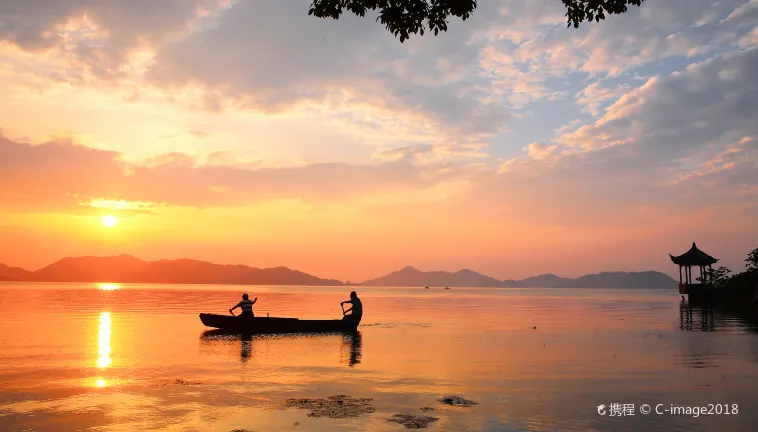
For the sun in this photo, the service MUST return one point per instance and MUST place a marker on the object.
(109, 220)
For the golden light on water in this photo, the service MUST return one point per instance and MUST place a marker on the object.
(104, 341)
(108, 286)
(100, 383)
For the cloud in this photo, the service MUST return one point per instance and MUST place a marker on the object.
(282, 59)
(65, 177)
(669, 117)
(540, 151)
(594, 96)
(750, 39)
(466, 85)
(683, 142)
(45, 24)
(650, 33)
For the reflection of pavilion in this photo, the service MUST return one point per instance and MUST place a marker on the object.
(695, 318)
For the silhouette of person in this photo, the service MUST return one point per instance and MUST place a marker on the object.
(246, 305)
(356, 310)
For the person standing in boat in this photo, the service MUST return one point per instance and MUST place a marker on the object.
(356, 311)
(246, 305)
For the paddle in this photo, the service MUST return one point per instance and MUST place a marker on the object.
(342, 305)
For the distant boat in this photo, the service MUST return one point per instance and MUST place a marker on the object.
(447, 287)
(426, 287)
(262, 325)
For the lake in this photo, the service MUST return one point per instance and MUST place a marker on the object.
(76, 357)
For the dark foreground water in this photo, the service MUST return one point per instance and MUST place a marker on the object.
(128, 358)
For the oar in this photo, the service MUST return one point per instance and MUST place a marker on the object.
(342, 305)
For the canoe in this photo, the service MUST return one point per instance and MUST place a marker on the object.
(260, 325)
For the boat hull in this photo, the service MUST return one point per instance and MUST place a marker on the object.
(260, 325)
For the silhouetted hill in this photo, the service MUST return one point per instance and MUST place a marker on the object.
(544, 281)
(90, 269)
(410, 276)
(648, 280)
(125, 268)
(187, 271)
(8, 273)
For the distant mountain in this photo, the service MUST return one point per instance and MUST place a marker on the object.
(90, 269)
(410, 276)
(125, 268)
(510, 283)
(648, 280)
(187, 271)
(544, 281)
(8, 273)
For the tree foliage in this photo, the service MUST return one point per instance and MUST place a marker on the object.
(751, 262)
(739, 288)
(403, 17)
(719, 277)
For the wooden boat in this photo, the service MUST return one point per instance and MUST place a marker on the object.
(259, 325)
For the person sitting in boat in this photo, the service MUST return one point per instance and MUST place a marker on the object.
(246, 305)
(356, 310)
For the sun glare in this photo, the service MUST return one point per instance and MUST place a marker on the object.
(109, 220)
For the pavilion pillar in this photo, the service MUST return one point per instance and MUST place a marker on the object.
(680, 275)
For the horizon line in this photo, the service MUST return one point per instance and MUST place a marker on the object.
(343, 281)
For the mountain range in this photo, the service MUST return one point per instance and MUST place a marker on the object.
(128, 269)
(410, 276)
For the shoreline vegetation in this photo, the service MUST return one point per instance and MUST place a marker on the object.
(738, 292)
(128, 269)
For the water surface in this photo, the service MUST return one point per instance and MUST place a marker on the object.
(136, 357)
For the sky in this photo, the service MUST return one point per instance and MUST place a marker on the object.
(247, 132)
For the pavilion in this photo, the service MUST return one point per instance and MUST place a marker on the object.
(696, 291)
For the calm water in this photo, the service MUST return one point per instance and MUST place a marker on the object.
(83, 357)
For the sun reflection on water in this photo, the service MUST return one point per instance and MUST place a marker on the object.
(104, 341)
(108, 286)
(100, 383)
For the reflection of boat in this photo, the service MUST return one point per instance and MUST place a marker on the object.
(353, 341)
(236, 324)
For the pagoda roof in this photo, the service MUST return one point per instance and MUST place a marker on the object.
(693, 257)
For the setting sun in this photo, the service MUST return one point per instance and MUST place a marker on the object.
(109, 220)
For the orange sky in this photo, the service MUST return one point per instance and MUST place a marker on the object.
(338, 151)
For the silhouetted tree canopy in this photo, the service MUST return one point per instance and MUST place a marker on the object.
(403, 17)
(740, 288)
